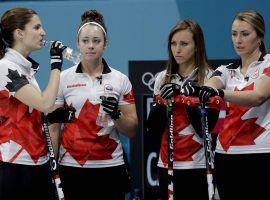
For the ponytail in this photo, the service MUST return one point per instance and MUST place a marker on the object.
(263, 47)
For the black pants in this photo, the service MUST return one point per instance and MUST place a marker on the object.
(25, 182)
(244, 176)
(94, 183)
(189, 184)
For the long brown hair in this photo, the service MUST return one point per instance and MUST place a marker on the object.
(12, 19)
(200, 57)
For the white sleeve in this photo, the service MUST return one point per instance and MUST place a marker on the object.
(222, 73)
(159, 82)
(266, 65)
(126, 94)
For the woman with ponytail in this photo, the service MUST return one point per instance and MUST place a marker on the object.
(24, 167)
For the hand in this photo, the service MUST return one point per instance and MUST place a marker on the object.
(207, 92)
(190, 89)
(110, 106)
(169, 90)
(56, 53)
(61, 115)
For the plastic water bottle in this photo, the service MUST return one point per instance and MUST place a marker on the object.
(103, 118)
(68, 53)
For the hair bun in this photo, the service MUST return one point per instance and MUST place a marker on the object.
(92, 15)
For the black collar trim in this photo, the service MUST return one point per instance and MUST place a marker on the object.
(237, 63)
(35, 65)
(106, 68)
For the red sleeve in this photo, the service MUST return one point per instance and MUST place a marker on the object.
(129, 97)
(266, 71)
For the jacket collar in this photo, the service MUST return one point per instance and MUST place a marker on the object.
(237, 63)
(29, 65)
(106, 68)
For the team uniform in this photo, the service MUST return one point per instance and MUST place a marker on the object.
(242, 159)
(24, 169)
(88, 151)
(189, 159)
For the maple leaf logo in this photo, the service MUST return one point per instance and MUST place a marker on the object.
(81, 140)
(184, 145)
(184, 148)
(16, 80)
(235, 134)
(22, 127)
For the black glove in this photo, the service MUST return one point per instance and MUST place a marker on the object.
(110, 106)
(207, 92)
(169, 90)
(61, 115)
(190, 88)
(56, 53)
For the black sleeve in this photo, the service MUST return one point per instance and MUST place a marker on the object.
(157, 120)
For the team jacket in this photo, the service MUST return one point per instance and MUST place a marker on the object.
(21, 137)
(84, 143)
(188, 146)
(245, 129)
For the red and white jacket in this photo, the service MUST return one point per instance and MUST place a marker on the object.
(188, 146)
(84, 143)
(246, 129)
(21, 138)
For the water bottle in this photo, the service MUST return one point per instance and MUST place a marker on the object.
(68, 53)
(103, 118)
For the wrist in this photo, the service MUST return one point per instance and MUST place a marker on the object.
(117, 115)
(53, 68)
(56, 67)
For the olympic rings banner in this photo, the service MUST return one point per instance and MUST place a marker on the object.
(144, 148)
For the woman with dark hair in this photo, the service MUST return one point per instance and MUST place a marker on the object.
(187, 53)
(90, 149)
(24, 167)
